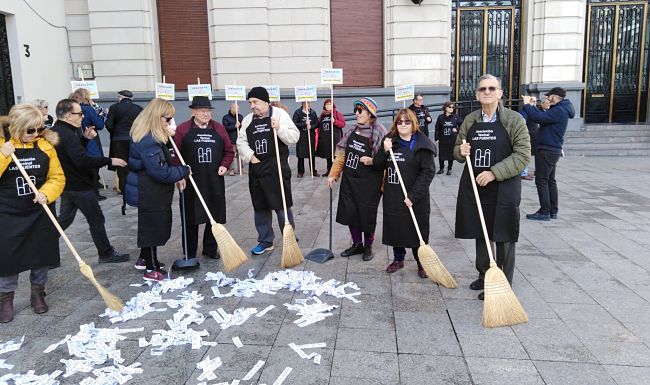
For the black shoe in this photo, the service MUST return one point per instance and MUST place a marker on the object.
(553, 216)
(481, 296)
(538, 216)
(301, 174)
(448, 172)
(114, 258)
(476, 285)
(101, 197)
(215, 255)
(367, 253)
(355, 249)
(440, 172)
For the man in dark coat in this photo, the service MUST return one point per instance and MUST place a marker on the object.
(306, 120)
(550, 138)
(78, 168)
(498, 146)
(118, 123)
(422, 113)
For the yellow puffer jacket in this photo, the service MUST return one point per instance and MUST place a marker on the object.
(55, 183)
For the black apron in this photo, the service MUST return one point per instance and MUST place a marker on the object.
(360, 186)
(447, 138)
(399, 229)
(324, 149)
(422, 121)
(490, 144)
(263, 177)
(302, 147)
(28, 239)
(154, 207)
(202, 149)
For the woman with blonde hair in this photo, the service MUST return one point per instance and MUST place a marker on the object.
(414, 154)
(150, 183)
(30, 242)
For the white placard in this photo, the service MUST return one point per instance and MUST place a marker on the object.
(306, 93)
(235, 93)
(165, 91)
(331, 75)
(403, 93)
(199, 90)
(90, 85)
(274, 93)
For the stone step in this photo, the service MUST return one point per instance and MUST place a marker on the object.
(601, 133)
(607, 139)
(616, 127)
(611, 152)
(605, 146)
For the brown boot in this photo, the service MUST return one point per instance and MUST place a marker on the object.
(6, 307)
(37, 299)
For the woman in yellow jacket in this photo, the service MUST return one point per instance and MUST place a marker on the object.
(32, 241)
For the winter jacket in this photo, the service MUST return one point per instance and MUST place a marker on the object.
(120, 119)
(515, 126)
(552, 124)
(76, 162)
(422, 110)
(91, 118)
(230, 123)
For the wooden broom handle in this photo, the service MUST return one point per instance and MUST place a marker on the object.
(468, 161)
(401, 183)
(277, 158)
(198, 193)
(47, 209)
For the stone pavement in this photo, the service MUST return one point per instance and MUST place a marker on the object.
(583, 279)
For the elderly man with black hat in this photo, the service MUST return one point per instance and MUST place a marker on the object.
(205, 146)
(118, 123)
(549, 141)
(256, 145)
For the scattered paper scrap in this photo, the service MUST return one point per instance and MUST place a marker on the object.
(254, 370)
(310, 313)
(208, 366)
(11, 346)
(300, 349)
(283, 376)
(238, 317)
(31, 378)
(237, 342)
(264, 311)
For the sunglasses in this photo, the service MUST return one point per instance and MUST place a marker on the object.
(358, 110)
(80, 113)
(31, 131)
(450, 107)
(167, 118)
(491, 89)
(406, 122)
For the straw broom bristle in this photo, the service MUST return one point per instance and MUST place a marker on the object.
(434, 267)
(501, 307)
(231, 254)
(291, 254)
(113, 302)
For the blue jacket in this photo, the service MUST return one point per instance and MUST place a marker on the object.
(552, 124)
(148, 155)
(91, 118)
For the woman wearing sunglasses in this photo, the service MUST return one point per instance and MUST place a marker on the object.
(414, 153)
(361, 183)
(446, 131)
(150, 183)
(31, 242)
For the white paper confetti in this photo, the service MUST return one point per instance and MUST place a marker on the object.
(237, 342)
(238, 317)
(11, 346)
(264, 311)
(208, 366)
(254, 370)
(283, 376)
(310, 313)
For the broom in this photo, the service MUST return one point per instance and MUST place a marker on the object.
(231, 254)
(113, 302)
(428, 258)
(501, 307)
(291, 254)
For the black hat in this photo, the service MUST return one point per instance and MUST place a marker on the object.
(126, 93)
(260, 93)
(201, 102)
(559, 91)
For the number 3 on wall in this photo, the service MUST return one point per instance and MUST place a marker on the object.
(27, 53)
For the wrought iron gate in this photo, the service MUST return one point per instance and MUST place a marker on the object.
(487, 40)
(6, 83)
(616, 62)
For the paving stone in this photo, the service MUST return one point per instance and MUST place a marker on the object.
(424, 370)
(489, 371)
(425, 333)
(367, 340)
(628, 375)
(619, 353)
(366, 365)
(304, 372)
(547, 339)
(565, 373)
(492, 346)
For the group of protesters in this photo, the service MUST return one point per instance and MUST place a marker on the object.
(153, 157)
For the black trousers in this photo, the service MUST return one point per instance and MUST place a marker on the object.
(120, 149)
(329, 165)
(450, 163)
(505, 258)
(209, 243)
(86, 202)
(400, 252)
(545, 165)
(301, 164)
(150, 256)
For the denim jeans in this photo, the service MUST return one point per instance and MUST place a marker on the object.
(545, 164)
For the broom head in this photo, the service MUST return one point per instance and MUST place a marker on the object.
(231, 254)
(291, 254)
(501, 307)
(434, 267)
(111, 300)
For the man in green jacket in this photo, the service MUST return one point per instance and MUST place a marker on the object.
(498, 145)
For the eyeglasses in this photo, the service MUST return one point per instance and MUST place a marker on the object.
(31, 131)
(358, 110)
(491, 88)
(452, 107)
(80, 113)
(167, 118)
(406, 122)
(46, 106)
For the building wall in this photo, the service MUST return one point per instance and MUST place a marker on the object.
(418, 43)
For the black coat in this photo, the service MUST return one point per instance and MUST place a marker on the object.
(422, 113)
(230, 122)
(120, 119)
(300, 120)
(150, 187)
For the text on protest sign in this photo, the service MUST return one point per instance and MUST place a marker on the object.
(403, 93)
(90, 85)
(199, 90)
(306, 93)
(274, 93)
(235, 93)
(165, 91)
(331, 75)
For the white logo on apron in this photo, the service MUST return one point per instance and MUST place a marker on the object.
(482, 159)
(22, 187)
(205, 155)
(261, 147)
(447, 131)
(392, 176)
(352, 161)
(421, 122)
